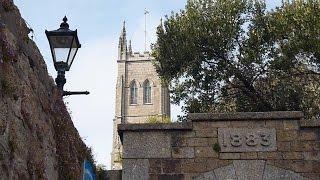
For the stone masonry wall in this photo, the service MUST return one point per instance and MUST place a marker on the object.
(141, 71)
(37, 137)
(248, 146)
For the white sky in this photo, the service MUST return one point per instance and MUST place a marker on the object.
(99, 23)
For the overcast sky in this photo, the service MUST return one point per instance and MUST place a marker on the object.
(99, 23)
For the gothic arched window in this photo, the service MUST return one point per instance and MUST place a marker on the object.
(146, 92)
(133, 92)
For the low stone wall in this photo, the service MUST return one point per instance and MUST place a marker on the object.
(269, 145)
(114, 175)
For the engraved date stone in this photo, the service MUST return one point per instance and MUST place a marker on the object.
(247, 140)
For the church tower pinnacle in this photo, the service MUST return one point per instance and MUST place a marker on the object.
(122, 47)
(130, 48)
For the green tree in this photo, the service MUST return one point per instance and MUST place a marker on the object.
(226, 55)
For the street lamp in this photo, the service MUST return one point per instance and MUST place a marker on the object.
(64, 45)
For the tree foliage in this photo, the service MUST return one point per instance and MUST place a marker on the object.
(226, 55)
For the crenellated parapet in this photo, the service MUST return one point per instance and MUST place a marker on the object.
(125, 52)
(137, 56)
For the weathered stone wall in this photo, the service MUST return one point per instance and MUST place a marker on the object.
(271, 145)
(37, 137)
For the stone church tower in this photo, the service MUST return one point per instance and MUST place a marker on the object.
(139, 93)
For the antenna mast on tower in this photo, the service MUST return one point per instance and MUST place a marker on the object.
(145, 29)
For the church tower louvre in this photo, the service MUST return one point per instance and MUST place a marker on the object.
(139, 93)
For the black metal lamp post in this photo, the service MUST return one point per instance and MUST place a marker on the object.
(64, 45)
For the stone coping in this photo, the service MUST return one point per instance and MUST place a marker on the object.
(154, 126)
(310, 123)
(273, 115)
(185, 126)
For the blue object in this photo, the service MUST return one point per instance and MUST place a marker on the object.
(88, 173)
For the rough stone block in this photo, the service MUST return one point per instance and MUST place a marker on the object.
(193, 167)
(155, 166)
(209, 176)
(146, 145)
(312, 176)
(249, 155)
(305, 146)
(309, 135)
(252, 124)
(114, 175)
(212, 141)
(226, 172)
(274, 124)
(187, 133)
(285, 164)
(259, 124)
(183, 134)
(283, 146)
(212, 163)
(198, 126)
(197, 141)
(249, 169)
(201, 159)
(135, 169)
(229, 155)
(208, 125)
(275, 173)
(207, 133)
(290, 125)
(178, 141)
(206, 176)
(205, 152)
(305, 166)
(292, 155)
(289, 135)
(312, 155)
(241, 124)
(171, 177)
(182, 152)
(219, 124)
(269, 155)
(171, 166)
(310, 123)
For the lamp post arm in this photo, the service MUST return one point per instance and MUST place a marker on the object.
(68, 93)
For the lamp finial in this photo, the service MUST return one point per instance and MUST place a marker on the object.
(64, 24)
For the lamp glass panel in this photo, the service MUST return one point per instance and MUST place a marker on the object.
(61, 54)
(73, 52)
(61, 46)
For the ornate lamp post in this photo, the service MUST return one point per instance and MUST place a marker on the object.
(64, 45)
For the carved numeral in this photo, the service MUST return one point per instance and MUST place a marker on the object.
(265, 139)
(236, 140)
(224, 143)
(247, 139)
(251, 140)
